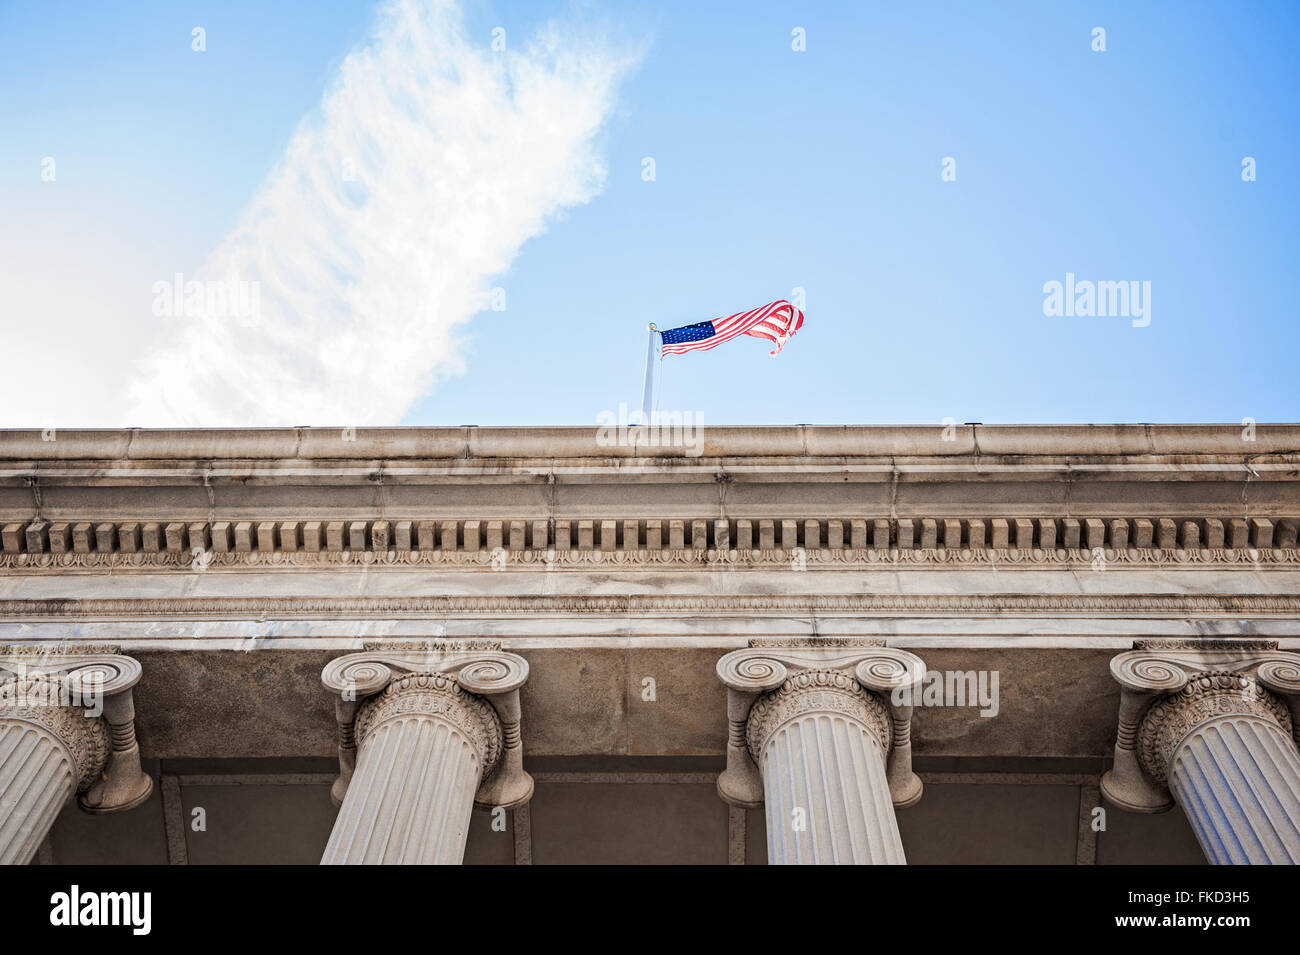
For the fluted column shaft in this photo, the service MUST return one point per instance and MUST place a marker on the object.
(1238, 780)
(410, 798)
(826, 794)
(821, 740)
(37, 777)
(424, 746)
(1217, 738)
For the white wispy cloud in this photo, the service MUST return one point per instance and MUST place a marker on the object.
(389, 219)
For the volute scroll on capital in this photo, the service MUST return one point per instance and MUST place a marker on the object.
(82, 670)
(1281, 676)
(479, 666)
(1165, 665)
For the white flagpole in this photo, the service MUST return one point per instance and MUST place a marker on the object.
(648, 393)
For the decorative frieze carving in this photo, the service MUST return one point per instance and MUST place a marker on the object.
(1198, 646)
(434, 645)
(438, 605)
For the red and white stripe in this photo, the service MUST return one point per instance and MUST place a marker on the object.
(776, 321)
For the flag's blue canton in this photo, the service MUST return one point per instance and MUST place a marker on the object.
(688, 333)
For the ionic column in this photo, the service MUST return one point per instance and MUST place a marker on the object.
(66, 726)
(425, 733)
(1217, 738)
(821, 739)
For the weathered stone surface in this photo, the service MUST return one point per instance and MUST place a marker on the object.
(1035, 553)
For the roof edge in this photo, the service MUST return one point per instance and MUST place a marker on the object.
(675, 439)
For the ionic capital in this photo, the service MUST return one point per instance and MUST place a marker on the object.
(1170, 688)
(81, 694)
(471, 684)
(816, 690)
(1203, 698)
(40, 700)
(440, 695)
(774, 681)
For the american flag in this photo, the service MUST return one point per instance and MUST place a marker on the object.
(775, 321)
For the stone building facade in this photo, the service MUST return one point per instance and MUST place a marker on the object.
(1072, 645)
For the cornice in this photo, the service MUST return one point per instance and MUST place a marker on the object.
(619, 441)
(654, 605)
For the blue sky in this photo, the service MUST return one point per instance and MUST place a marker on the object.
(774, 169)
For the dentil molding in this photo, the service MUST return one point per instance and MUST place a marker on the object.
(39, 545)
